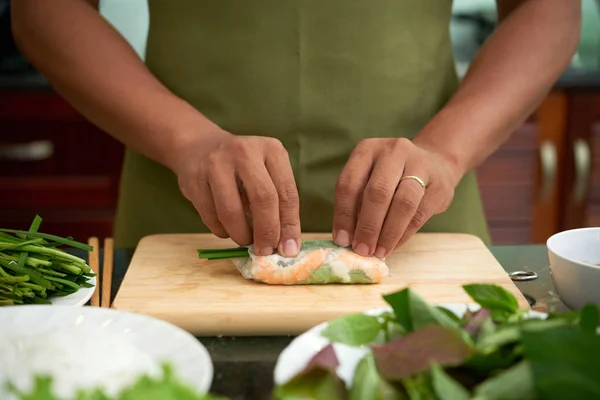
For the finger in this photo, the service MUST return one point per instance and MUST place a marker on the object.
(279, 168)
(228, 205)
(407, 199)
(432, 201)
(244, 197)
(264, 206)
(348, 193)
(203, 201)
(376, 200)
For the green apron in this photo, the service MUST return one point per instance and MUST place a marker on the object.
(319, 75)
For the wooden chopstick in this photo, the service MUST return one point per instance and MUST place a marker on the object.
(94, 263)
(107, 272)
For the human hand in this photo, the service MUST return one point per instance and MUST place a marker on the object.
(376, 209)
(227, 176)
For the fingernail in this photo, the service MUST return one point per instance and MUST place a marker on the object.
(380, 252)
(265, 251)
(342, 238)
(362, 249)
(290, 248)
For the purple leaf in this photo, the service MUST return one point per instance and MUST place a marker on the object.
(475, 320)
(415, 352)
(325, 359)
(318, 380)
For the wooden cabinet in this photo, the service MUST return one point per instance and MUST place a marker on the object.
(55, 163)
(506, 180)
(546, 178)
(581, 196)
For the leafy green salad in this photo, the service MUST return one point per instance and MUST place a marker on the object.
(424, 352)
(167, 387)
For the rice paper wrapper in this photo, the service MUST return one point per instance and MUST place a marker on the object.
(319, 262)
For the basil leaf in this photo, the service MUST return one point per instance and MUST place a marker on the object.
(353, 329)
(445, 387)
(367, 384)
(564, 361)
(492, 297)
(589, 318)
(514, 383)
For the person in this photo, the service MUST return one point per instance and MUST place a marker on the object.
(258, 120)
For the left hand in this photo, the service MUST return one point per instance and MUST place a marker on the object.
(375, 211)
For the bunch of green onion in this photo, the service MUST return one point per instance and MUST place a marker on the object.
(33, 268)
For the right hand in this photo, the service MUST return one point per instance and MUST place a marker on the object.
(225, 176)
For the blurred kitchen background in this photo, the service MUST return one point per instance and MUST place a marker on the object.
(545, 179)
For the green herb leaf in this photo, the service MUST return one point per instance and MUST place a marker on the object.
(414, 353)
(511, 333)
(514, 383)
(449, 314)
(419, 387)
(413, 313)
(167, 387)
(564, 361)
(492, 297)
(590, 318)
(368, 384)
(445, 387)
(353, 329)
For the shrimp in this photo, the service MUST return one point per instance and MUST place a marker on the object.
(317, 263)
(277, 270)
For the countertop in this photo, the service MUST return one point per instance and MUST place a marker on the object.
(244, 365)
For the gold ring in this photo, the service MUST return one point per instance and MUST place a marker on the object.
(416, 178)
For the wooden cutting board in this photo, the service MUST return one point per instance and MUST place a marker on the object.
(166, 280)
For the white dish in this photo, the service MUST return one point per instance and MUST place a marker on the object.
(574, 257)
(77, 299)
(104, 346)
(298, 353)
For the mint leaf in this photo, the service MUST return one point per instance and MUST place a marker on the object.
(564, 361)
(445, 387)
(492, 297)
(367, 384)
(353, 329)
(514, 383)
(414, 353)
(318, 380)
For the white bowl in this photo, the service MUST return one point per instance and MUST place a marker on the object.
(575, 266)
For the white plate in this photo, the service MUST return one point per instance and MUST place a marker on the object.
(77, 299)
(298, 353)
(89, 327)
